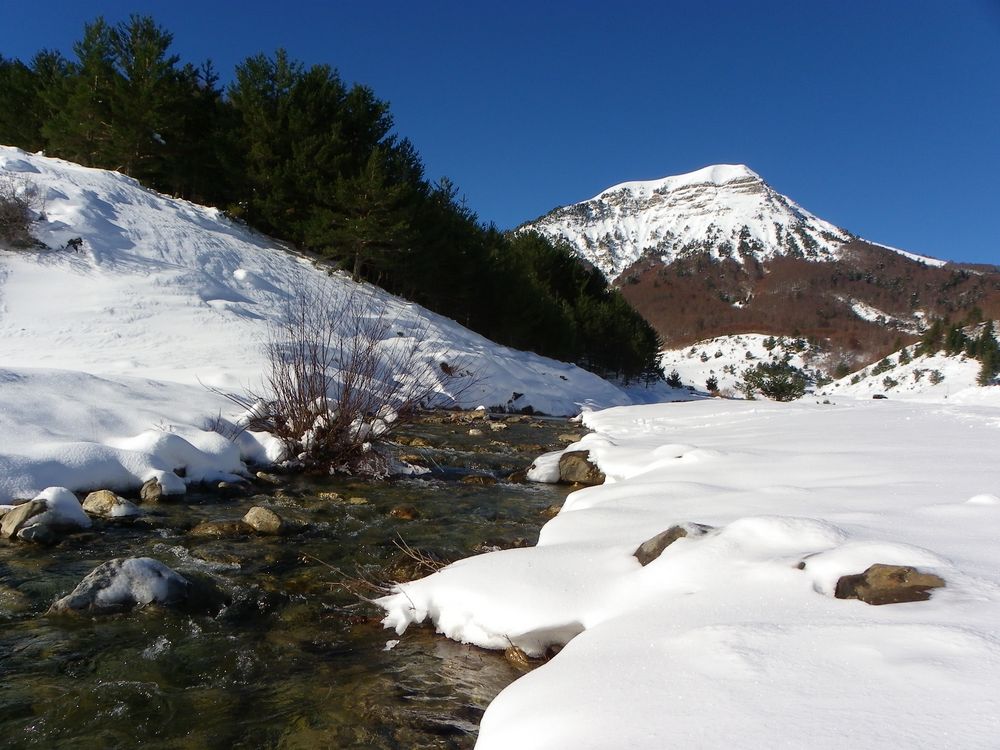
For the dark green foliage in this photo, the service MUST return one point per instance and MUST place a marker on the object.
(674, 379)
(299, 154)
(712, 384)
(989, 354)
(778, 381)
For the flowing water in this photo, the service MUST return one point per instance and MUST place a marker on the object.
(292, 659)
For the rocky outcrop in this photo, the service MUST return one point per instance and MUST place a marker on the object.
(575, 468)
(123, 584)
(653, 547)
(888, 584)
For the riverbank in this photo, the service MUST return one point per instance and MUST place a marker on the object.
(734, 634)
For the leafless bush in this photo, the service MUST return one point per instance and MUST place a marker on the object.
(20, 200)
(341, 377)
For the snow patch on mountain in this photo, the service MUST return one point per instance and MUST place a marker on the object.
(725, 210)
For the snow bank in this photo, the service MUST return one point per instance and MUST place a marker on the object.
(736, 633)
(106, 351)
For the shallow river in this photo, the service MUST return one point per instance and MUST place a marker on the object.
(292, 660)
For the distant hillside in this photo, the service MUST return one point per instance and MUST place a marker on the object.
(719, 252)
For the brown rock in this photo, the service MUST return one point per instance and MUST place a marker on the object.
(405, 512)
(888, 584)
(518, 477)
(264, 521)
(575, 468)
(653, 547)
(517, 657)
(220, 529)
(152, 491)
(568, 437)
(552, 511)
(107, 504)
(16, 518)
(479, 479)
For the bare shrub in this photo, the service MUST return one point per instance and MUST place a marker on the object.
(341, 377)
(20, 201)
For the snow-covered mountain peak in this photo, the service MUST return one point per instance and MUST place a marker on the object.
(726, 210)
(716, 174)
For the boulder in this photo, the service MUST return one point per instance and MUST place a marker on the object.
(18, 517)
(123, 584)
(653, 547)
(107, 504)
(45, 518)
(575, 468)
(888, 584)
(264, 521)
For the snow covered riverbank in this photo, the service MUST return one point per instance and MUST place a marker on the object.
(734, 638)
(106, 349)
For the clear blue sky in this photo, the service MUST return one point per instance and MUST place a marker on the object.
(882, 116)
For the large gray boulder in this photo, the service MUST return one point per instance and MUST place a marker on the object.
(123, 584)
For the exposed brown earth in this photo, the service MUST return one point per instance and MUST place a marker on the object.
(696, 298)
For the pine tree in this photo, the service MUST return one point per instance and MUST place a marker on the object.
(146, 96)
(81, 125)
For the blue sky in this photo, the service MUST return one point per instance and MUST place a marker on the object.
(882, 116)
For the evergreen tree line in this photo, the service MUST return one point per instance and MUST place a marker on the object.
(953, 339)
(297, 153)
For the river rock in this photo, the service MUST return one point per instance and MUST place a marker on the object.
(888, 584)
(475, 432)
(107, 504)
(122, 584)
(575, 468)
(653, 547)
(481, 480)
(405, 512)
(518, 657)
(152, 491)
(264, 521)
(518, 477)
(45, 518)
(221, 529)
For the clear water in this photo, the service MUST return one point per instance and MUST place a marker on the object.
(293, 660)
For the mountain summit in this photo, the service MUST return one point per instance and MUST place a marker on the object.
(726, 210)
(719, 252)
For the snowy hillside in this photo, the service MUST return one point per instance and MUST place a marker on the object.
(937, 378)
(725, 358)
(727, 210)
(117, 339)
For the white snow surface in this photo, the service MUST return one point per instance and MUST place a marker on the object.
(719, 209)
(724, 641)
(105, 352)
